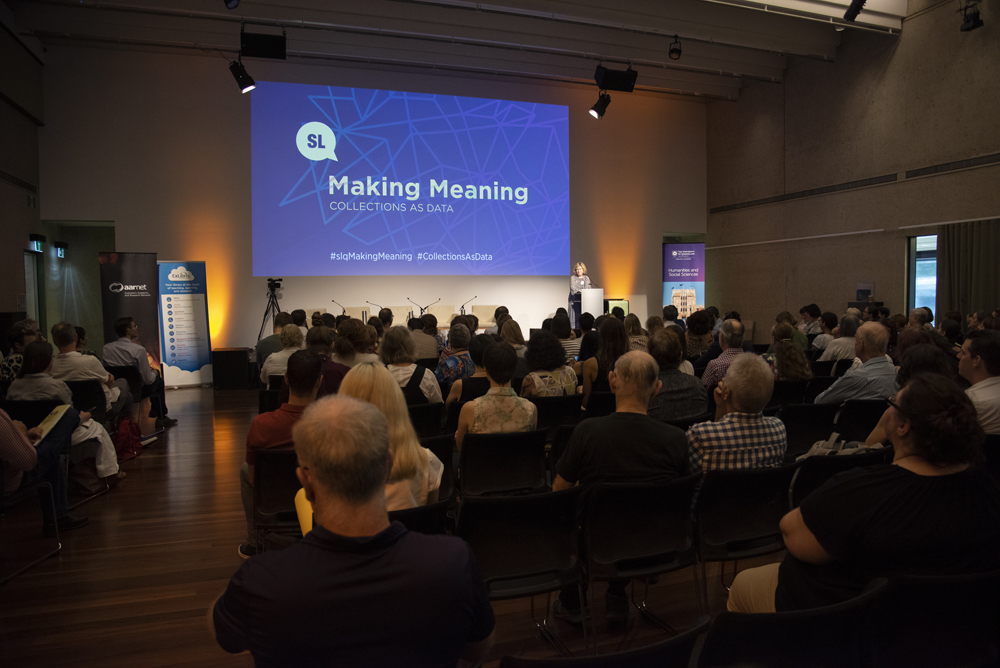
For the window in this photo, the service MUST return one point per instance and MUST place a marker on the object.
(923, 272)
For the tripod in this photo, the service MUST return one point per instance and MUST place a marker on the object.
(272, 308)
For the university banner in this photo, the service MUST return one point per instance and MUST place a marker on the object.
(187, 346)
(684, 277)
(130, 287)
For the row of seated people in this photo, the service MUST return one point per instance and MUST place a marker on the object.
(38, 373)
(934, 510)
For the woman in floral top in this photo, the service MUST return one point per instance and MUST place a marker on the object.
(20, 337)
(549, 374)
(500, 410)
(458, 364)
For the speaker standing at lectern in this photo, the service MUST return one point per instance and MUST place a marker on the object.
(578, 281)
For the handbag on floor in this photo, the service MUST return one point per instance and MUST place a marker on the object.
(127, 439)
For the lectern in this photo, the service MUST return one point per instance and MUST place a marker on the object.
(592, 301)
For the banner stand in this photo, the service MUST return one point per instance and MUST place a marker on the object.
(187, 344)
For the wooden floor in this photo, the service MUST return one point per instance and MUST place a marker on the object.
(133, 587)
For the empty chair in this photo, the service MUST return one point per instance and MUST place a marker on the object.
(600, 404)
(88, 395)
(822, 368)
(935, 622)
(670, 653)
(553, 411)
(858, 417)
(274, 488)
(818, 386)
(828, 637)
(817, 470)
(788, 392)
(686, 423)
(443, 448)
(429, 519)
(804, 425)
(426, 418)
(503, 463)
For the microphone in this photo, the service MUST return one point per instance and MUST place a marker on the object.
(343, 311)
(373, 304)
(462, 311)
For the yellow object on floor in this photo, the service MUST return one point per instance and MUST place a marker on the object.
(304, 509)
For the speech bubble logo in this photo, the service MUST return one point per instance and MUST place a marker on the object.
(316, 141)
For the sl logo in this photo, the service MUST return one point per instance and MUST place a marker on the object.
(316, 142)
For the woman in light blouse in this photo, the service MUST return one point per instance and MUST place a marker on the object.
(577, 282)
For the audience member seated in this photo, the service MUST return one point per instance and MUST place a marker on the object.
(477, 384)
(612, 344)
(416, 471)
(685, 365)
(418, 384)
(842, 348)
(549, 375)
(511, 334)
(919, 318)
(619, 313)
(637, 339)
(72, 365)
(425, 347)
(125, 352)
(731, 345)
(316, 320)
(715, 349)
(598, 452)
(798, 338)
(449, 349)
(273, 431)
(870, 314)
(34, 383)
(500, 410)
(567, 338)
(933, 511)
(681, 395)
(828, 322)
(19, 338)
(992, 323)
(672, 317)
(28, 458)
(320, 341)
(495, 329)
(385, 317)
(276, 363)
(912, 336)
(327, 320)
(741, 436)
(588, 348)
(699, 333)
(655, 323)
(376, 323)
(952, 333)
(874, 379)
(810, 319)
(352, 344)
(357, 590)
(458, 364)
(341, 319)
(82, 345)
(431, 329)
(299, 320)
(788, 362)
(716, 320)
(272, 344)
(979, 363)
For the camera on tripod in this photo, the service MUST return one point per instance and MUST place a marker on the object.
(274, 284)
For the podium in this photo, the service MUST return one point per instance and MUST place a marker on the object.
(592, 301)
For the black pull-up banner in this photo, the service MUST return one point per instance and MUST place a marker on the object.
(130, 286)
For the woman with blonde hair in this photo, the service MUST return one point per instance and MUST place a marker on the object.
(277, 363)
(416, 472)
(637, 339)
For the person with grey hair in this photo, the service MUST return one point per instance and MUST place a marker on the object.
(626, 446)
(358, 589)
(398, 355)
(842, 348)
(741, 436)
(458, 364)
(731, 343)
(681, 396)
(72, 365)
(874, 379)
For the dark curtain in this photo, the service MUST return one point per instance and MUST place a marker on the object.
(968, 266)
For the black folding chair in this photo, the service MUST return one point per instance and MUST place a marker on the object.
(274, 488)
(131, 374)
(88, 395)
(842, 367)
(512, 463)
(640, 530)
(428, 363)
(804, 425)
(553, 411)
(429, 519)
(454, 409)
(443, 448)
(858, 417)
(822, 368)
(817, 470)
(525, 546)
(818, 386)
(935, 622)
(738, 513)
(671, 653)
(426, 419)
(788, 392)
(274, 381)
(686, 423)
(827, 637)
(31, 413)
(600, 404)
(761, 348)
(267, 401)
(8, 501)
(558, 446)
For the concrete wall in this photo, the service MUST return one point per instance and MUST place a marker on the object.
(159, 143)
(885, 106)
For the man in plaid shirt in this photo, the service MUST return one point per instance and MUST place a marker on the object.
(741, 437)
(731, 342)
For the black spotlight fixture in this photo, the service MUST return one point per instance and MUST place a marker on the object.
(243, 79)
(855, 9)
(231, 4)
(603, 100)
(970, 18)
(675, 49)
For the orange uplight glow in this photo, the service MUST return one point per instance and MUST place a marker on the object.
(207, 242)
(618, 237)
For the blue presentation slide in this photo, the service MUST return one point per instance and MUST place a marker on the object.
(358, 182)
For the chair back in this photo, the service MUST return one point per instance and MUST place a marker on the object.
(935, 621)
(827, 637)
(558, 446)
(443, 448)
(822, 368)
(430, 519)
(274, 487)
(554, 411)
(842, 367)
(738, 512)
(503, 463)
(761, 348)
(454, 409)
(638, 530)
(788, 392)
(992, 450)
(818, 386)
(426, 418)
(131, 374)
(274, 381)
(267, 401)
(817, 470)
(804, 425)
(31, 413)
(673, 652)
(89, 395)
(428, 363)
(686, 423)
(600, 404)
(523, 544)
(858, 417)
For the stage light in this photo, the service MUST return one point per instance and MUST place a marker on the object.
(597, 111)
(853, 11)
(675, 49)
(243, 79)
(61, 247)
(970, 20)
(231, 4)
(35, 242)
